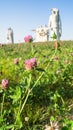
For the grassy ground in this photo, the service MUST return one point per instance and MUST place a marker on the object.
(52, 97)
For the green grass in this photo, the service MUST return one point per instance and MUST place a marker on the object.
(52, 96)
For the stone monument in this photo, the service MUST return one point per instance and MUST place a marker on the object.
(10, 37)
(42, 33)
(54, 25)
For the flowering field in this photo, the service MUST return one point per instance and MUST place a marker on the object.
(36, 86)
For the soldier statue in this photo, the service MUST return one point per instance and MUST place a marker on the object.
(55, 26)
(10, 37)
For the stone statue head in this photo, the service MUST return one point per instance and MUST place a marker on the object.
(9, 28)
(55, 11)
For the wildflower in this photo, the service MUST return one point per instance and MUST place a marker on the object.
(33, 61)
(16, 61)
(48, 127)
(56, 58)
(30, 64)
(28, 38)
(20, 58)
(58, 72)
(26, 119)
(67, 62)
(4, 84)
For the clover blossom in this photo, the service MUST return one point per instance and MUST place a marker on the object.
(33, 61)
(30, 64)
(16, 61)
(4, 84)
(28, 38)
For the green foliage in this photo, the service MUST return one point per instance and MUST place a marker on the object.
(54, 36)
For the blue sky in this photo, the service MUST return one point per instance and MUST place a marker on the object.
(24, 15)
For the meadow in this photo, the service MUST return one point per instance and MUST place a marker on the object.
(36, 86)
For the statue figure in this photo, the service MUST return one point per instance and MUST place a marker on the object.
(10, 35)
(55, 24)
(42, 33)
